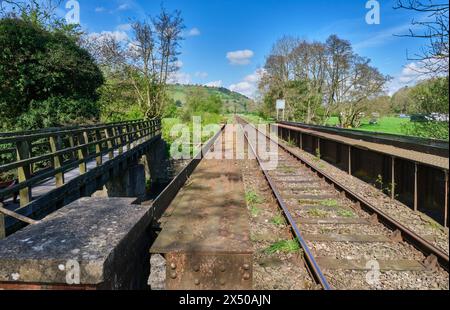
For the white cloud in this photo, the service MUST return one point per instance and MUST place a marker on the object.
(214, 84)
(242, 57)
(193, 32)
(99, 9)
(179, 64)
(123, 7)
(180, 78)
(249, 85)
(120, 36)
(123, 27)
(245, 88)
(382, 37)
(202, 75)
(410, 75)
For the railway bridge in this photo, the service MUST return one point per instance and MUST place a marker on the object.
(231, 218)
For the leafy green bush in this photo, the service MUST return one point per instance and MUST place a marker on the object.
(57, 111)
(200, 103)
(37, 64)
(431, 98)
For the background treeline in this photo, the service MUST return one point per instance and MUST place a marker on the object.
(327, 83)
(52, 74)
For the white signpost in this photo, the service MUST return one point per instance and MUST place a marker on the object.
(281, 105)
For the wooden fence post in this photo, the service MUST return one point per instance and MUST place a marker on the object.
(133, 135)
(118, 134)
(24, 172)
(148, 130)
(128, 138)
(110, 144)
(98, 148)
(72, 144)
(83, 152)
(56, 145)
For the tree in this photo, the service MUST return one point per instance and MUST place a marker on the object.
(37, 64)
(41, 13)
(358, 84)
(200, 102)
(431, 100)
(434, 56)
(317, 79)
(146, 62)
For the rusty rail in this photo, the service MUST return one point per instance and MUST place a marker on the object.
(407, 234)
(313, 266)
(414, 174)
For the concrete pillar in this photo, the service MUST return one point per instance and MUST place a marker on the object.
(157, 164)
(129, 184)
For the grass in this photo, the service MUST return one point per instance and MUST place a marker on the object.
(292, 143)
(286, 169)
(206, 118)
(255, 119)
(434, 225)
(253, 199)
(255, 211)
(231, 100)
(345, 213)
(317, 213)
(387, 124)
(330, 203)
(278, 220)
(283, 246)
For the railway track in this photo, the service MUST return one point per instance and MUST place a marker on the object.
(348, 243)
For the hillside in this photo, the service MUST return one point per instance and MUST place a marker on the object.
(232, 101)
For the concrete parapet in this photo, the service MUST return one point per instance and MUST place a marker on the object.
(105, 239)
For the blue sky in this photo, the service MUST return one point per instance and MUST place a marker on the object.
(245, 30)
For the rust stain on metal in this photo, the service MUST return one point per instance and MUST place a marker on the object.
(212, 272)
(206, 236)
(209, 215)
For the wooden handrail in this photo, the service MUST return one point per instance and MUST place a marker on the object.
(85, 144)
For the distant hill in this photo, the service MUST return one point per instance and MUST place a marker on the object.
(232, 101)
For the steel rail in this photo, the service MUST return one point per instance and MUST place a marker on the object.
(313, 266)
(407, 234)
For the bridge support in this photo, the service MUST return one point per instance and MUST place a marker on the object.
(156, 163)
(131, 183)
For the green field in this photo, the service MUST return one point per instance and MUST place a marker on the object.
(388, 124)
(255, 119)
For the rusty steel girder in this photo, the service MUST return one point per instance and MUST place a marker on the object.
(209, 271)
